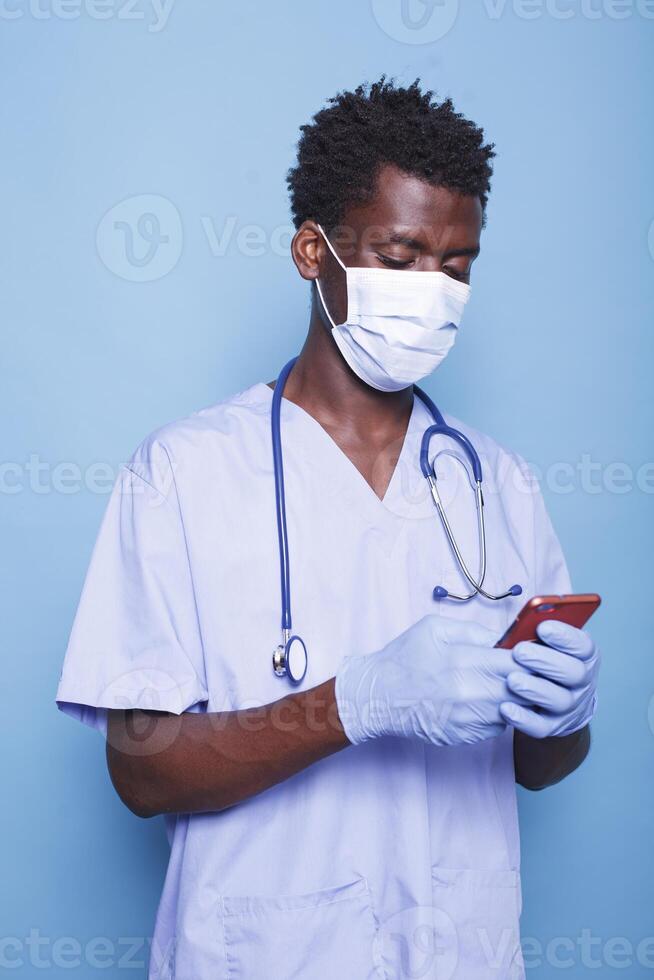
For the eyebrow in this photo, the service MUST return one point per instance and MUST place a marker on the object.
(474, 252)
(394, 239)
(402, 240)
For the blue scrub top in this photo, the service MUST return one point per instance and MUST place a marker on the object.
(388, 859)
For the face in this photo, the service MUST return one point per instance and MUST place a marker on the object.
(408, 225)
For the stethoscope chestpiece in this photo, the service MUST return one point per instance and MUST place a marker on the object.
(290, 659)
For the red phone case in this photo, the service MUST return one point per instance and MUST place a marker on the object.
(573, 609)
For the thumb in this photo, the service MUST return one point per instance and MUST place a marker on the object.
(524, 719)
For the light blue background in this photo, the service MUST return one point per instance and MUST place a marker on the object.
(554, 360)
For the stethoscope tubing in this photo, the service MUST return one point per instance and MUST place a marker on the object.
(280, 494)
(439, 427)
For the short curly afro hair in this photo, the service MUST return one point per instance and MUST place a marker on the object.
(341, 149)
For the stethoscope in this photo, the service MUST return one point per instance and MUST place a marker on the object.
(290, 658)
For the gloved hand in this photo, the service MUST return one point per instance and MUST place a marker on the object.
(441, 681)
(560, 678)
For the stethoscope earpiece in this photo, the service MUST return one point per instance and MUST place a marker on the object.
(441, 593)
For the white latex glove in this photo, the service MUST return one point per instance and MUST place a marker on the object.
(441, 681)
(559, 678)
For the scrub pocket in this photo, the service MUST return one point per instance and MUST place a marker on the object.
(324, 935)
(477, 923)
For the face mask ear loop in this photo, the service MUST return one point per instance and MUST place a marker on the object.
(331, 248)
(317, 281)
(324, 305)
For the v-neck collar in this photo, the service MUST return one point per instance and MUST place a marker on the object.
(408, 445)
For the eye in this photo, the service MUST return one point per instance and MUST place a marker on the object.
(392, 263)
(456, 274)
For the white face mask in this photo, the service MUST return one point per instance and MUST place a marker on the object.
(399, 325)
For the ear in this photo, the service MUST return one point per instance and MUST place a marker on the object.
(308, 250)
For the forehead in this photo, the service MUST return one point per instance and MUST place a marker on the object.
(402, 202)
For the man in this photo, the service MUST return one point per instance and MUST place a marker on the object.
(363, 822)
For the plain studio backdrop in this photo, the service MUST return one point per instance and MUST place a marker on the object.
(145, 267)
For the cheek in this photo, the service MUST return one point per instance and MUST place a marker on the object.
(334, 291)
(340, 302)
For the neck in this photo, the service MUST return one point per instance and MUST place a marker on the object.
(322, 383)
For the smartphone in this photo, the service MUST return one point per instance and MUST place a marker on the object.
(573, 609)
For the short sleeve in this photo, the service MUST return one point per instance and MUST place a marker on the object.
(135, 640)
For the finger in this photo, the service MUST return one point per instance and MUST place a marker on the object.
(499, 666)
(566, 638)
(526, 720)
(551, 663)
(499, 663)
(538, 690)
(462, 631)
